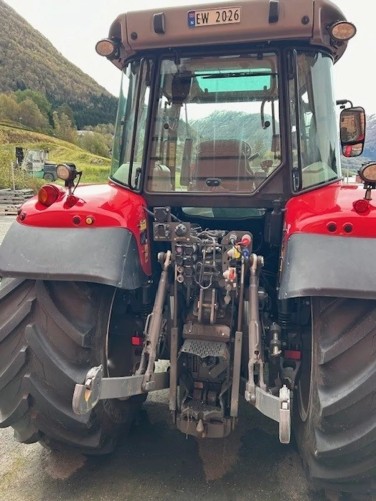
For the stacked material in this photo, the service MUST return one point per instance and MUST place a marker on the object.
(11, 200)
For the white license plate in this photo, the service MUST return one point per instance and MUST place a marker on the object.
(213, 17)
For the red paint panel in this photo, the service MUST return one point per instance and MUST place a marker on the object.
(330, 211)
(97, 206)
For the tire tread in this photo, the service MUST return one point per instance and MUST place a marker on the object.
(51, 334)
(338, 439)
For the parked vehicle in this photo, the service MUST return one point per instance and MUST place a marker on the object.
(225, 242)
(36, 163)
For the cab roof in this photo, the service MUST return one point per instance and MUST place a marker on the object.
(256, 21)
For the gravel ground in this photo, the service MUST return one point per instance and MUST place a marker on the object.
(156, 462)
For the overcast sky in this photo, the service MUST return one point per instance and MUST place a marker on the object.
(74, 27)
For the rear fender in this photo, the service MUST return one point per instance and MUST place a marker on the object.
(98, 235)
(102, 255)
(321, 265)
(328, 246)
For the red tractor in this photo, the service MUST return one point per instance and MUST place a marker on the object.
(225, 242)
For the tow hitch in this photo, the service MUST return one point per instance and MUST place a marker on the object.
(276, 408)
(96, 387)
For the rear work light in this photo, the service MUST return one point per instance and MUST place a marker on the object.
(108, 48)
(367, 173)
(342, 31)
(48, 194)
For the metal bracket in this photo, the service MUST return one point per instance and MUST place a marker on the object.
(284, 415)
(86, 395)
(154, 325)
(276, 408)
(236, 374)
(96, 387)
(254, 331)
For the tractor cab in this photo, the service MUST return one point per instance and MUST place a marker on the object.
(225, 124)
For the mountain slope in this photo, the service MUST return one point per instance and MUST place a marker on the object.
(370, 146)
(29, 60)
(95, 168)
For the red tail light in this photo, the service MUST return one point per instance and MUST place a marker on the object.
(361, 206)
(137, 341)
(293, 354)
(48, 194)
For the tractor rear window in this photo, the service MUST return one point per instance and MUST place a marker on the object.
(222, 81)
(216, 127)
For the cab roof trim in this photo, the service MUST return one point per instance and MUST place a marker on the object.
(260, 21)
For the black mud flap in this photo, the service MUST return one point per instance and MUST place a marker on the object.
(319, 265)
(103, 255)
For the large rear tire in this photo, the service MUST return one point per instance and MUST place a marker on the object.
(51, 334)
(335, 418)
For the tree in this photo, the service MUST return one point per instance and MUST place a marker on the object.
(94, 142)
(66, 110)
(39, 99)
(9, 108)
(31, 115)
(63, 127)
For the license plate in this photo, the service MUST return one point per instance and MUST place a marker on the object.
(213, 17)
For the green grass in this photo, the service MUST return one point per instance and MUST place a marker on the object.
(95, 169)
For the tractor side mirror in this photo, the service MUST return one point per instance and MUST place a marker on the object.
(352, 131)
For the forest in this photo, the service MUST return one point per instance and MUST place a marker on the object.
(29, 61)
(31, 110)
